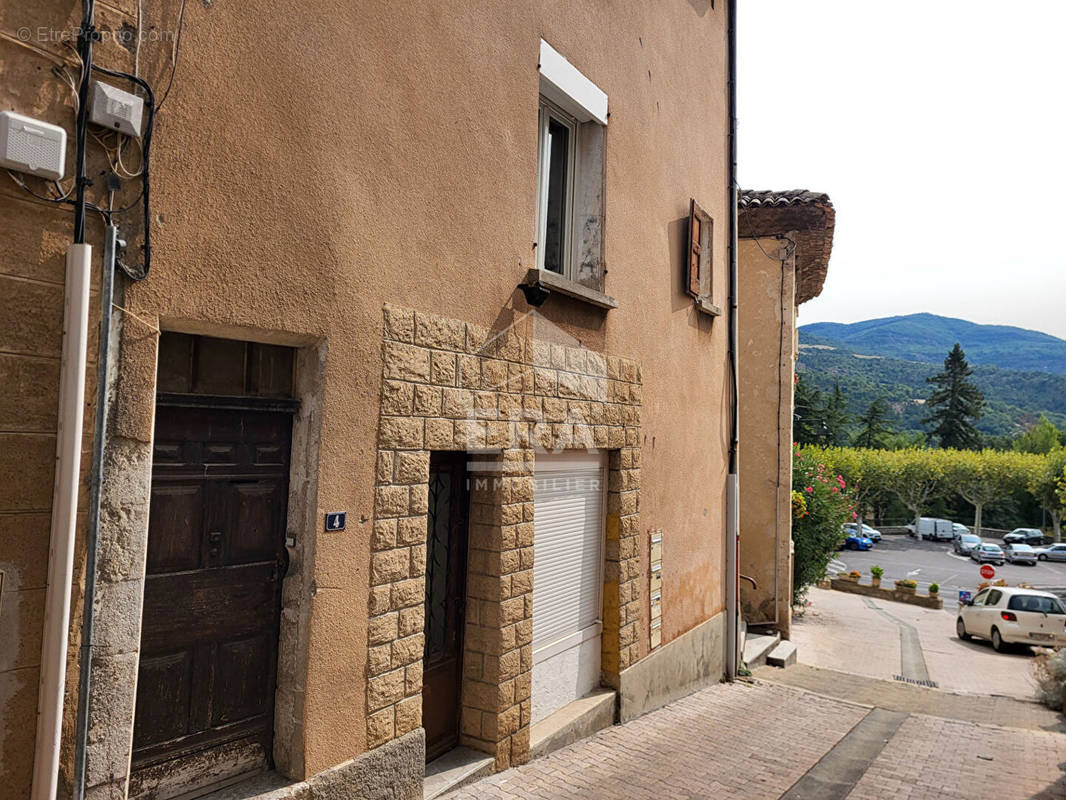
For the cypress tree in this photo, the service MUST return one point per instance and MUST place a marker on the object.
(955, 404)
(873, 426)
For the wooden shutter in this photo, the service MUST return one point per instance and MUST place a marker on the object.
(698, 262)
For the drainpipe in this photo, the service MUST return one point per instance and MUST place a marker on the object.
(64, 521)
(92, 533)
(732, 593)
(68, 458)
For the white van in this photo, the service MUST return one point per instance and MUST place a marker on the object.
(931, 528)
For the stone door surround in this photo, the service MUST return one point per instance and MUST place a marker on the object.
(501, 396)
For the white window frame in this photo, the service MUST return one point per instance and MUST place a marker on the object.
(550, 111)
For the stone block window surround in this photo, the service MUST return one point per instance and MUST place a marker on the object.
(570, 173)
(450, 385)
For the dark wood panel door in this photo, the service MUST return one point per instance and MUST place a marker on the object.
(212, 593)
(442, 669)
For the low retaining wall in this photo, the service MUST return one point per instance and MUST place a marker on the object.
(897, 595)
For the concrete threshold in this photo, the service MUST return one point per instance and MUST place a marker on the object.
(836, 774)
(576, 720)
(455, 768)
(757, 646)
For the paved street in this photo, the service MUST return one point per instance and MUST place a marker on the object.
(768, 740)
(827, 632)
(929, 562)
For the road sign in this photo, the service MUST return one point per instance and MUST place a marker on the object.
(964, 596)
(987, 572)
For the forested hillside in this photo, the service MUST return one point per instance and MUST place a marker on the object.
(928, 337)
(1015, 398)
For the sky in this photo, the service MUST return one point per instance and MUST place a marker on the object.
(938, 130)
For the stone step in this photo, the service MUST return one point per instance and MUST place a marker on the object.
(783, 655)
(454, 769)
(757, 646)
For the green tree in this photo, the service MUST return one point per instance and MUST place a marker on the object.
(955, 404)
(866, 475)
(873, 426)
(1041, 438)
(836, 418)
(917, 476)
(984, 477)
(808, 424)
(1045, 485)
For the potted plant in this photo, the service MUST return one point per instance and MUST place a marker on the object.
(876, 572)
(907, 586)
(934, 589)
(853, 576)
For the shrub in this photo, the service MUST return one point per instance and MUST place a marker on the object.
(1049, 669)
(854, 574)
(907, 583)
(816, 530)
(934, 588)
(876, 571)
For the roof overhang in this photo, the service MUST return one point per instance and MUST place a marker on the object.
(806, 217)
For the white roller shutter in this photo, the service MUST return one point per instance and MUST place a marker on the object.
(567, 551)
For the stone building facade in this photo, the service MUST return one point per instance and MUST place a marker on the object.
(342, 216)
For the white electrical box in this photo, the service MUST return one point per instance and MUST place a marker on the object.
(29, 145)
(116, 109)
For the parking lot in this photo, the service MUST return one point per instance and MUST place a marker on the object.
(935, 562)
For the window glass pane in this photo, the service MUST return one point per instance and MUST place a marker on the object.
(555, 227)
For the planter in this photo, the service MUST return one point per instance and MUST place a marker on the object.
(851, 578)
(875, 582)
(907, 589)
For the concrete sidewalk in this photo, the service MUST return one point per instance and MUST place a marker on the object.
(883, 639)
(767, 740)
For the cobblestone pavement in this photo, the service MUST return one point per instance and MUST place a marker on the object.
(712, 744)
(757, 740)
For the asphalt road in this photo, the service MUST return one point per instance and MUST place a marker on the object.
(935, 562)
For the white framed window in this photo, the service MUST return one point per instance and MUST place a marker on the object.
(557, 165)
(572, 122)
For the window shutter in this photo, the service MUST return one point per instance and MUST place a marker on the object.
(695, 250)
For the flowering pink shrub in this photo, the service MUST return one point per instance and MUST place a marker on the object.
(816, 533)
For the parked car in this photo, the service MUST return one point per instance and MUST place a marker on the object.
(1007, 616)
(853, 542)
(987, 551)
(965, 543)
(1026, 535)
(1018, 553)
(958, 529)
(932, 528)
(870, 533)
(1054, 552)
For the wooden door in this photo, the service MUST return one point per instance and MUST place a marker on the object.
(216, 559)
(442, 670)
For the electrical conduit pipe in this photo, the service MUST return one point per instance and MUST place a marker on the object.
(64, 522)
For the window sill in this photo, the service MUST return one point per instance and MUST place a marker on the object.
(557, 283)
(707, 307)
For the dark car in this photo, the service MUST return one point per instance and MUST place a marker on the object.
(1032, 536)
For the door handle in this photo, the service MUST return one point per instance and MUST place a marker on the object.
(214, 540)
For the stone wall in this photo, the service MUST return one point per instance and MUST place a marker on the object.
(453, 386)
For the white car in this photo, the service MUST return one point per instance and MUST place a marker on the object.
(1006, 615)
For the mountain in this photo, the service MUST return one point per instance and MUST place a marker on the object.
(928, 338)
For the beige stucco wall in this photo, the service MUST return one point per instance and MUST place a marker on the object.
(766, 333)
(308, 168)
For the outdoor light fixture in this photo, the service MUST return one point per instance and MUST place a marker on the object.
(536, 293)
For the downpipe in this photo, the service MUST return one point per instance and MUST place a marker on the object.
(92, 533)
(732, 593)
(64, 522)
